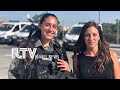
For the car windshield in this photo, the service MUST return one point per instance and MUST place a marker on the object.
(6, 27)
(75, 30)
(27, 28)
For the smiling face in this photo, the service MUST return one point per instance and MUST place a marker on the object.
(91, 37)
(48, 28)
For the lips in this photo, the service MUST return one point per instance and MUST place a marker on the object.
(91, 42)
(49, 33)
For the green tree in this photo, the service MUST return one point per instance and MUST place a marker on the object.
(109, 28)
(36, 17)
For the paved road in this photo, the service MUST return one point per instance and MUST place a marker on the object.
(5, 59)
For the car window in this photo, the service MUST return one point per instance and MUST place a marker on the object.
(16, 28)
(22, 25)
(74, 30)
(6, 27)
(27, 28)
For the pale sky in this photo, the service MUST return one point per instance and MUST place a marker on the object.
(67, 18)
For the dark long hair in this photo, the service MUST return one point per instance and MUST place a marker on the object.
(103, 55)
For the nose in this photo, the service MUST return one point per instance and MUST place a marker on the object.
(90, 37)
(51, 28)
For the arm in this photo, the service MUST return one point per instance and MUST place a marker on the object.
(63, 64)
(116, 65)
(64, 54)
(75, 68)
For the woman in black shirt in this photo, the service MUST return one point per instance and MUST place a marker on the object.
(92, 57)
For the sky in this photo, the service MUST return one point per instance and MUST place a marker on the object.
(66, 18)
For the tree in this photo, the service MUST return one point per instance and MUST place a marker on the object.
(37, 17)
(109, 28)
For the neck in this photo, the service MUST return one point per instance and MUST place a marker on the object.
(45, 43)
(91, 52)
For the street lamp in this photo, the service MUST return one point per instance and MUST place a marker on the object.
(99, 17)
(46, 11)
(117, 31)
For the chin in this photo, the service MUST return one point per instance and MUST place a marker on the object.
(49, 38)
(91, 46)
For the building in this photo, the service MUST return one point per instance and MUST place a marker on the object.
(1, 21)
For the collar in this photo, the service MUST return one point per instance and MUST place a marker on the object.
(39, 43)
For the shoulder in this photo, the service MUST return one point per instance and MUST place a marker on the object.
(75, 56)
(27, 43)
(56, 43)
(114, 55)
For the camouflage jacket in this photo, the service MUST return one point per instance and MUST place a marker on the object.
(33, 43)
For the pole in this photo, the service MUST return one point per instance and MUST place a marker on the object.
(63, 30)
(28, 17)
(117, 31)
(46, 11)
(99, 17)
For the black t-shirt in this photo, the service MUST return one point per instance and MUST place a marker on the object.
(88, 72)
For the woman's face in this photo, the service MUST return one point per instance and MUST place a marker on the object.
(49, 28)
(91, 37)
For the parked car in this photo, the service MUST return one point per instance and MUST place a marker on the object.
(8, 31)
(72, 36)
(24, 33)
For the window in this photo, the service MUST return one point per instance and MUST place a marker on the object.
(28, 28)
(75, 30)
(16, 28)
(6, 27)
(22, 25)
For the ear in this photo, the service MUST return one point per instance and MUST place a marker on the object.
(99, 38)
(39, 25)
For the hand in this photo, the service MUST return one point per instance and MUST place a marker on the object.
(63, 65)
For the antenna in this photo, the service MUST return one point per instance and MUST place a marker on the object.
(99, 16)
(28, 16)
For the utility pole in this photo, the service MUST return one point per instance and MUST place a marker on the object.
(117, 31)
(63, 30)
(46, 11)
(28, 17)
(99, 17)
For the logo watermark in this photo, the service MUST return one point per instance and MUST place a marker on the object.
(20, 53)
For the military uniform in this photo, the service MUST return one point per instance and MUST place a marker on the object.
(41, 51)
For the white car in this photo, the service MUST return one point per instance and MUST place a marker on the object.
(24, 33)
(9, 29)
